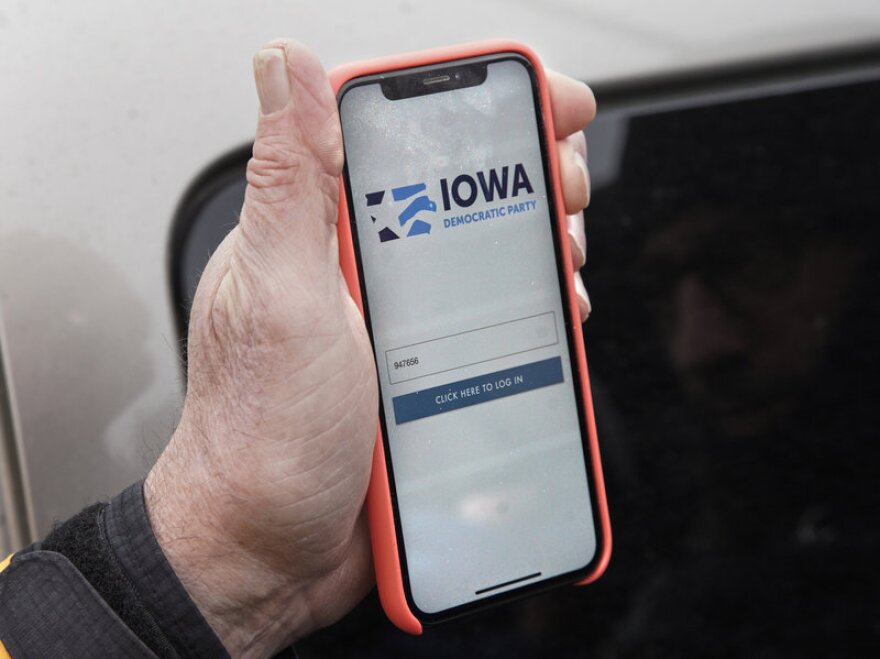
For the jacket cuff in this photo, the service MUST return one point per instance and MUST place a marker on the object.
(49, 609)
(132, 542)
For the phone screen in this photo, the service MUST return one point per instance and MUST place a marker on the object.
(453, 225)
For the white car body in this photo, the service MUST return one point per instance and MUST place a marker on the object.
(109, 111)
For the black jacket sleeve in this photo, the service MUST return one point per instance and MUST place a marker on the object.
(100, 586)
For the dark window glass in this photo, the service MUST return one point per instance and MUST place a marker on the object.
(733, 267)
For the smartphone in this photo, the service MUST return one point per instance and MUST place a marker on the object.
(486, 482)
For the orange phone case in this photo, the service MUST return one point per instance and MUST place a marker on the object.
(386, 557)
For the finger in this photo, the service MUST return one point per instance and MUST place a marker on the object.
(573, 103)
(578, 140)
(577, 240)
(297, 157)
(573, 175)
(584, 306)
(309, 93)
(578, 164)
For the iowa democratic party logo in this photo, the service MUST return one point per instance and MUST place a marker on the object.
(409, 221)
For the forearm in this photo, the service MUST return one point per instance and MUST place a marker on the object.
(99, 585)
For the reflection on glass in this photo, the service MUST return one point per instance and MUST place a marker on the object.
(734, 271)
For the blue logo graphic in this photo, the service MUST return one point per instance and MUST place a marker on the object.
(417, 202)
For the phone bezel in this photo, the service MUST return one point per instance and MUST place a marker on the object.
(406, 76)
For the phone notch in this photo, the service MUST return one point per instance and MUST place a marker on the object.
(432, 80)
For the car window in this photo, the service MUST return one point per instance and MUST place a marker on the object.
(733, 270)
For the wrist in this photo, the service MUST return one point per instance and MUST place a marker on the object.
(255, 608)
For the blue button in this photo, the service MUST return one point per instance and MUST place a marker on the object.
(473, 391)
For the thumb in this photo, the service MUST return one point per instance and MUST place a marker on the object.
(278, 270)
(293, 178)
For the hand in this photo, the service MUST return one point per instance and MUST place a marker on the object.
(258, 499)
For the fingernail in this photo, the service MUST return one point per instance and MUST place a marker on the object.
(586, 307)
(582, 164)
(270, 73)
(577, 239)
